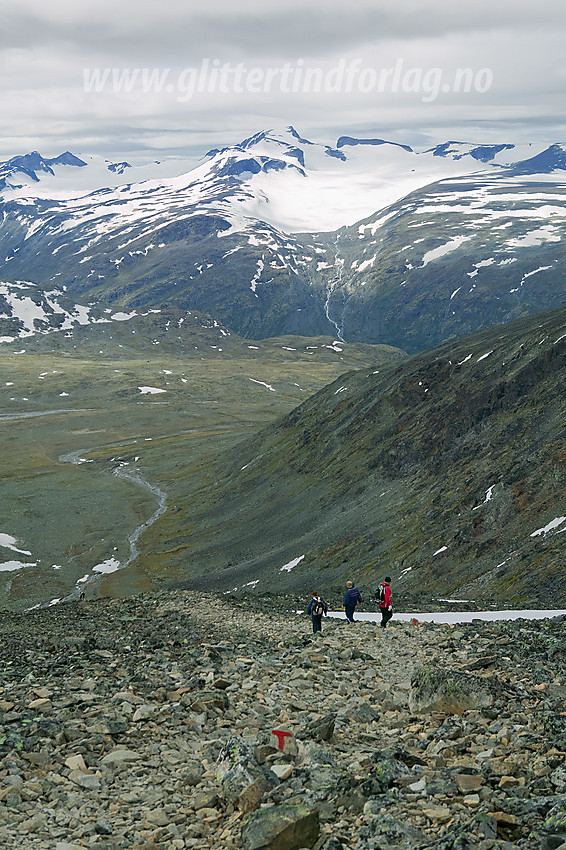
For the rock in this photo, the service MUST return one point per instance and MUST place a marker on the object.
(121, 748)
(386, 770)
(387, 831)
(89, 781)
(143, 712)
(43, 705)
(284, 741)
(437, 814)
(116, 727)
(554, 723)
(32, 824)
(120, 755)
(558, 779)
(158, 817)
(505, 819)
(320, 730)
(373, 807)
(470, 835)
(481, 663)
(244, 782)
(281, 828)
(314, 755)
(466, 782)
(76, 763)
(103, 827)
(206, 700)
(448, 691)
(205, 800)
(192, 774)
(450, 730)
(64, 845)
(555, 821)
(129, 697)
(363, 712)
(263, 751)
(282, 771)
(508, 782)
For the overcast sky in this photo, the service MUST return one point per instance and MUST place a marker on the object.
(219, 70)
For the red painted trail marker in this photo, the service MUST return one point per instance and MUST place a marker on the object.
(281, 735)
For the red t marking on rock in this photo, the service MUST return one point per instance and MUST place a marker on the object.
(281, 736)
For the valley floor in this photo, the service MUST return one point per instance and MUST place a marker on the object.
(149, 723)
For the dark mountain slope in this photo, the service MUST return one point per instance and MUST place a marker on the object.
(447, 471)
(452, 258)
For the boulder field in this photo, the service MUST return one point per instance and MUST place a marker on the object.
(185, 720)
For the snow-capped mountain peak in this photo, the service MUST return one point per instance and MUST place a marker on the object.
(29, 166)
(275, 175)
(257, 232)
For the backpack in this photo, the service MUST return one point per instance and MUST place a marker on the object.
(318, 607)
(380, 594)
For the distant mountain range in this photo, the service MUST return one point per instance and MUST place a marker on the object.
(31, 166)
(364, 239)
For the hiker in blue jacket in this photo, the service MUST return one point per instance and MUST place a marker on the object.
(317, 607)
(351, 599)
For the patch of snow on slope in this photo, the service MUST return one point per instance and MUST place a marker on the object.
(442, 250)
(291, 565)
(108, 566)
(549, 527)
(123, 317)
(12, 566)
(9, 542)
(488, 497)
(547, 233)
(256, 277)
(268, 386)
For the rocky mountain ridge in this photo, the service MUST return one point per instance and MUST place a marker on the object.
(184, 720)
(445, 469)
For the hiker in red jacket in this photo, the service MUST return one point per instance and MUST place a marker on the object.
(385, 606)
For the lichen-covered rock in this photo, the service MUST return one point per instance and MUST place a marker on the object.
(281, 828)
(555, 724)
(448, 691)
(555, 821)
(204, 700)
(385, 770)
(244, 782)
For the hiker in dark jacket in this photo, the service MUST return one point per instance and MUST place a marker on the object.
(317, 607)
(385, 605)
(351, 599)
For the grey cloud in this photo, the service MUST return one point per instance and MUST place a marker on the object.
(171, 28)
(47, 45)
